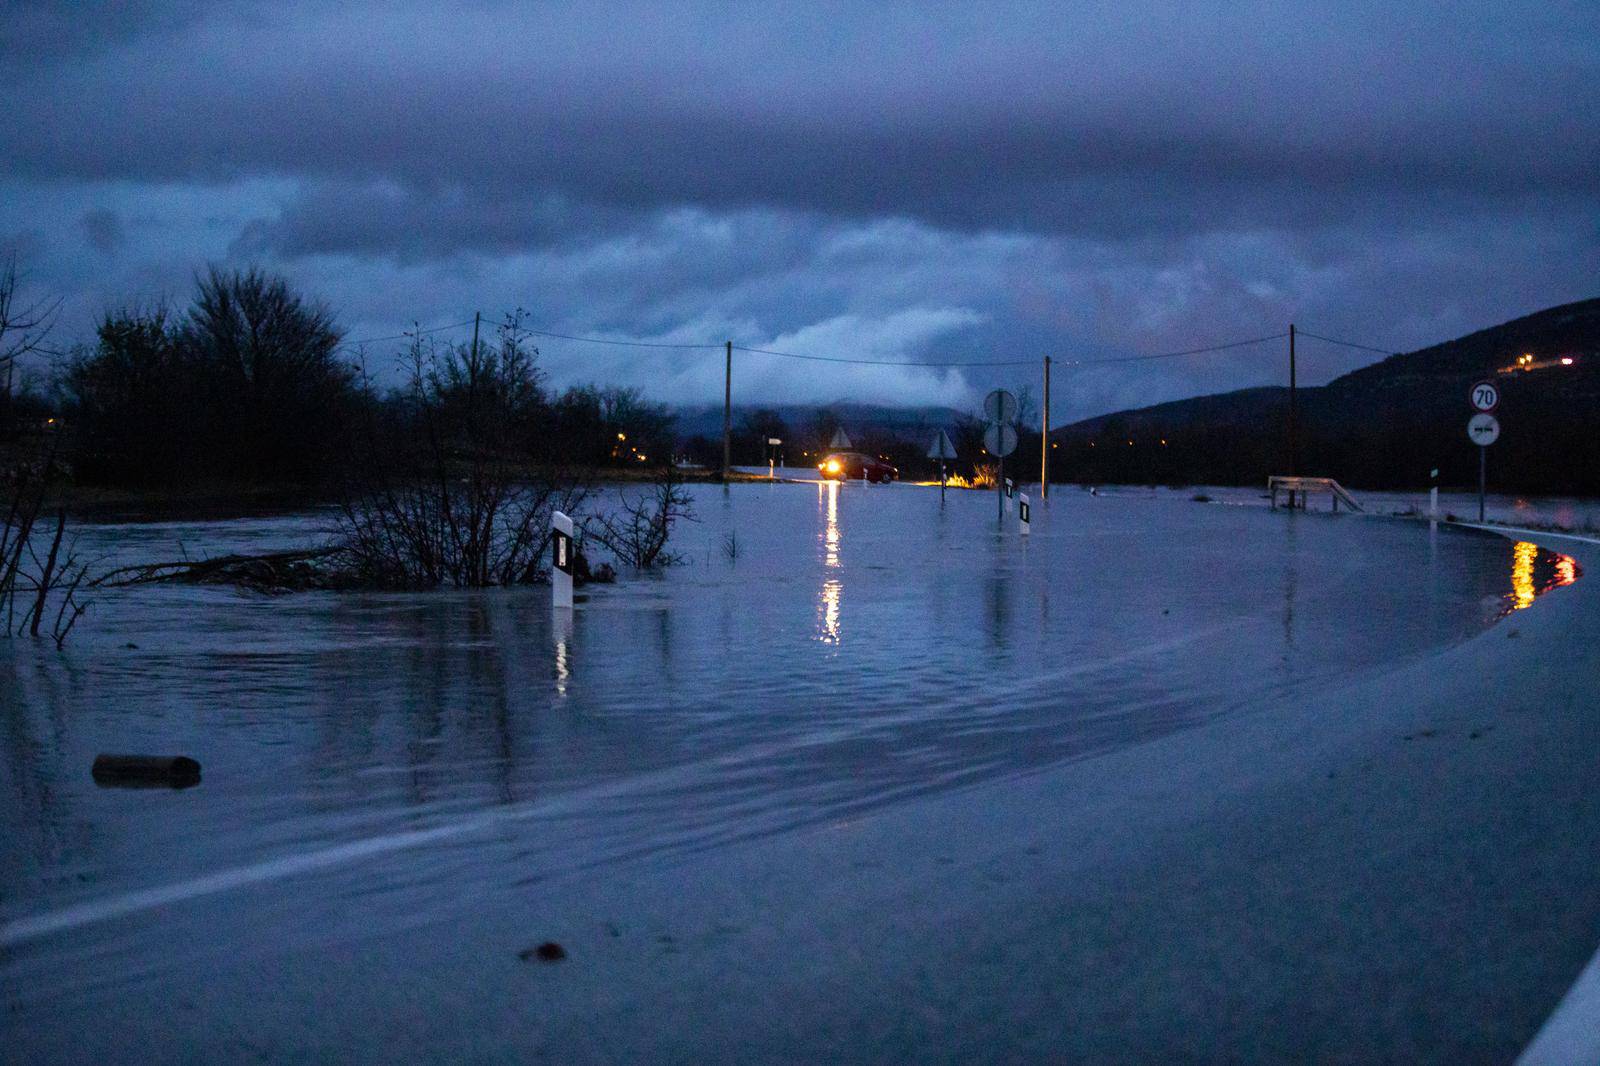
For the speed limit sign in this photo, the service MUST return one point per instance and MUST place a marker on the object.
(1485, 396)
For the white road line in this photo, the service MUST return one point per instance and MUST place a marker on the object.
(1571, 1035)
(1531, 534)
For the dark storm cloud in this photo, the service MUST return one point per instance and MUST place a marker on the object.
(32, 30)
(419, 222)
(102, 230)
(1033, 117)
(917, 180)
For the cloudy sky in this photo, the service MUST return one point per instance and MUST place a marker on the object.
(895, 181)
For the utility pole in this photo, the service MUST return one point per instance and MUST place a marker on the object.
(1044, 437)
(727, 416)
(472, 364)
(1294, 412)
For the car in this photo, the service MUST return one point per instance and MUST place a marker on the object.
(853, 466)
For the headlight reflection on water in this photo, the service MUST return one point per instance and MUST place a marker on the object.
(1532, 576)
(832, 587)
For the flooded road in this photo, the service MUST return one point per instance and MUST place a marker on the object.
(380, 764)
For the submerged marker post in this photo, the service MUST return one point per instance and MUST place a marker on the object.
(560, 560)
(1024, 515)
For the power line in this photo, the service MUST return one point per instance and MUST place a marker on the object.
(403, 336)
(1020, 362)
(1175, 355)
(1347, 344)
(613, 342)
(1110, 361)
(620, 344)
(884, 362)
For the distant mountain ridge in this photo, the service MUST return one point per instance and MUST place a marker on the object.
(706, 421)
(1384, 425)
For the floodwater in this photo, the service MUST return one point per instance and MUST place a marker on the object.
(1572, 513)
(375, 764)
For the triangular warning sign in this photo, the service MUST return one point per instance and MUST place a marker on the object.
(942, 448)
(840, 441)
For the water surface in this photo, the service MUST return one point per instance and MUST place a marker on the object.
(378, 762)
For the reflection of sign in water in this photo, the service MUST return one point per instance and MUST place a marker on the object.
(1000, 440)
(1485, 396)
(1483, 430)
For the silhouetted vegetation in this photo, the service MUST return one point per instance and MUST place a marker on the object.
(446, 492)
(40, 574)
(247, 384)
(25, 322)
(637, 532)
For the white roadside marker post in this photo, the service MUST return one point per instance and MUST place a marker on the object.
(1011, 490)
(1433, 494)
(560, 560)
(1024, 515)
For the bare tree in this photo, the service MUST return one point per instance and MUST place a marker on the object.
(449, 496)
(24, 324)
(30, 584)
(637, 533)
(267, 375)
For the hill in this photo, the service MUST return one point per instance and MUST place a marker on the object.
(804, 420)
(1382, 426)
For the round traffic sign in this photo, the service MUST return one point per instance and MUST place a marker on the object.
(1483, 430)
(1000, 439)
(1000, 406)
(1485, 396)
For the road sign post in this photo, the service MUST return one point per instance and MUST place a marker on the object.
(1000, 406)
(941, 449)
(561, 549)
(1000, 440)
(1483, 429)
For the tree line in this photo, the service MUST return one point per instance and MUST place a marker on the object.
(252, 383)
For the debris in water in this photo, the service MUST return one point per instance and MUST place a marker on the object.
(143, 771)
(549, 951)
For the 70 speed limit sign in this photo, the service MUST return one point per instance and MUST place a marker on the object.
(1485, 396)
